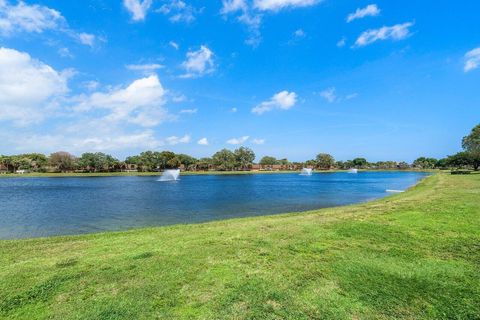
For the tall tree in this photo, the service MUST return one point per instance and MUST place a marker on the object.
(244, 158)
(187, 161)
(471, 144)
(425, 163)
(324, 161)
(224, 160)
(359, 162)
(62, 161)
(268, 161)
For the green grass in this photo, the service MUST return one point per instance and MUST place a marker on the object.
(414, 255)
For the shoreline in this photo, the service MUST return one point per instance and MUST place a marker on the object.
(188, 173)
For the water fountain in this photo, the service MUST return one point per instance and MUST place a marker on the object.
(353, 170)
(170, 175)
(306, 172)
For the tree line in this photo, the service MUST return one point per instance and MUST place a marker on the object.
(226, 160)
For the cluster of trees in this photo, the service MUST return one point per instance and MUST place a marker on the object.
(227, 160)
(240, 159)
(148, 161)
(60, 161)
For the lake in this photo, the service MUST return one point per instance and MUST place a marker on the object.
(34, 207)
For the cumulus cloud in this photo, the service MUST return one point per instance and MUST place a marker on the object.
(137, 8)
(371, 10)
(140, 103)
(198, 63)
(29, 88)
(203, 142)
(229, 6)
(28, 18)
(179, 11)
(282, 100)
(276, 5)
(396, 32)
(235, 141)
(472, 60)
(23, 17)
(174, 140)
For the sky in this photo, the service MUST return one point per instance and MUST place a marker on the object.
(384, 80)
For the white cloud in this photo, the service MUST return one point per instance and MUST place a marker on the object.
(229, 6)
(174, 45)
(65, 53)
(283, 100)
(342, 42)
(240, 140)
(137, 8)
(189, 111)
(299, 33)
(82, 142)
(329, 94)
(253, 22)
(140, 103)
(234, 110)
(36, 19)
(396, 32)
(28, 18)
(203, 142)
(198, 62)
(174, 140)
(28, 87)
(86, 39)
(251, 14)
(275, 5)
(371, 10)
(258, 141)
(148, 68)
(472, 60)
(179, 11)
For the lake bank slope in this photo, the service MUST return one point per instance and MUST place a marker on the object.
(413, 255)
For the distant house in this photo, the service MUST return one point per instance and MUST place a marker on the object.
(256, 166)
(21, 171)
(3, 169)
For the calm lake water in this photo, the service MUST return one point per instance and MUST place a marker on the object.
(33, 207)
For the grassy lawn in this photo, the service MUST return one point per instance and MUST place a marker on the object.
(414, 255)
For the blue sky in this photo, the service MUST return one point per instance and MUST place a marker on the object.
(385, 80)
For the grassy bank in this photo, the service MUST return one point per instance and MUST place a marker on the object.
(414, 255)
(185, 173)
